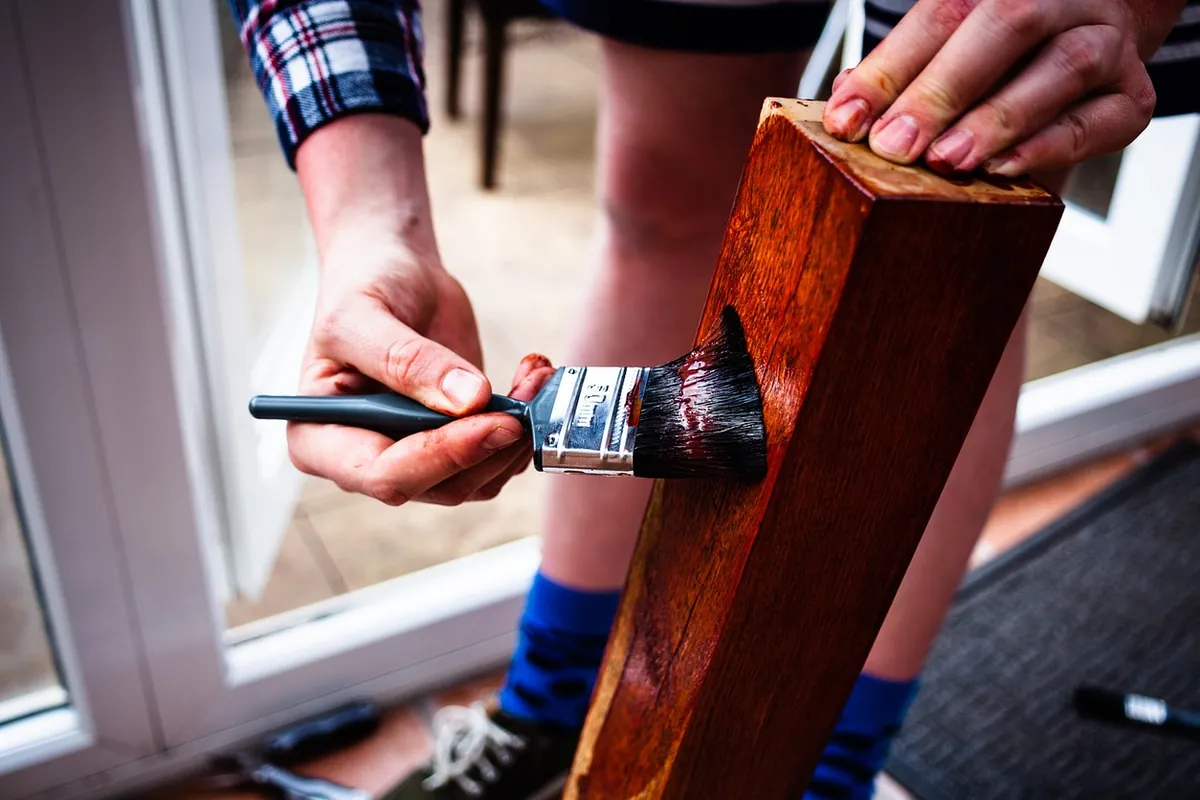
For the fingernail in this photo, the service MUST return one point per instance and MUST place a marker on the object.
(849, 119)
(952, 149)
(1004, 166)
(461, 387)
(896, 138)
(500, 438)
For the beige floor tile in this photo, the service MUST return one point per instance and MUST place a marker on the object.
(26, 662)
(371, 542)
(300, 576)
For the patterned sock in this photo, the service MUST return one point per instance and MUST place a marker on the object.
(559, 648)
(859, 745)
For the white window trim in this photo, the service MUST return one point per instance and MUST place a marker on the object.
(56, 462)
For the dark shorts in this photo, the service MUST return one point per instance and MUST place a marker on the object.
(763, 26)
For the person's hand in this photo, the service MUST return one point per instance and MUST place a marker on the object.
(390, 317)
(1012, 86)
(385, 321)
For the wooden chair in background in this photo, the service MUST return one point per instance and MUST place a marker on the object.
(496, 16)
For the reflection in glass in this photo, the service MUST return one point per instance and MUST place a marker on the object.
(29, 679)
(1093, 182)
(276, 247)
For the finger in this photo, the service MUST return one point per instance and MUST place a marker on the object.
(1071, 66)
(528, 365)
(978, 55)
(837, 81)
(528, 386)
(485, 481)
(491, 489)
(468, 486)
(414, 465)
(870, 89)
(341, 454)
(367, 337)
(1100, 125)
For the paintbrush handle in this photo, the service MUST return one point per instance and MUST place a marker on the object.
(393, 415)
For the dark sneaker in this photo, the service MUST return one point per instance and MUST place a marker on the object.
(491, 756)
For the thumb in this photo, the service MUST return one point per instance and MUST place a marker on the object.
(371, 340)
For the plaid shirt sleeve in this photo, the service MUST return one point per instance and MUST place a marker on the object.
(319, 60)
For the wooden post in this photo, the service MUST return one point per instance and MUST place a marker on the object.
(877, 301)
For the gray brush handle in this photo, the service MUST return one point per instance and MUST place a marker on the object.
(388, 413)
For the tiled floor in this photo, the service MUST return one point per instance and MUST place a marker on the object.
(407, 738)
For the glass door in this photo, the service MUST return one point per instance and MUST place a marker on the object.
(72, 697)
(262, 594)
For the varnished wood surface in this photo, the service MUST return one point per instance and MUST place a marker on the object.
(877, 301)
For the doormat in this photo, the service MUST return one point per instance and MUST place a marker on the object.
(1109, 596)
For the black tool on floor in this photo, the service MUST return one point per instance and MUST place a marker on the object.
(310, 738)
(1137, 710)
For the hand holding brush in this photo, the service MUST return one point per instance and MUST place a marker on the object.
(697, 416)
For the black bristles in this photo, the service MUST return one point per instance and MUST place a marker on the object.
(701, 415)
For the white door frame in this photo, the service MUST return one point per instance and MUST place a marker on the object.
(57, 461)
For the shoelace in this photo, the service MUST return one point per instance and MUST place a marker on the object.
(466, 738)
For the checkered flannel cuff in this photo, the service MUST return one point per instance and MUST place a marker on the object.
(319, 60)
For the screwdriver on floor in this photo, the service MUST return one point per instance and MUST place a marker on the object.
(311, 738)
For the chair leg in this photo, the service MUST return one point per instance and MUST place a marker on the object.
(493, 81)
(456, 13)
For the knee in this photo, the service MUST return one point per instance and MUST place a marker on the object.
(662, 203)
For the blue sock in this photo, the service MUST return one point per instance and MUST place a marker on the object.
(559, 648)
(859, 745)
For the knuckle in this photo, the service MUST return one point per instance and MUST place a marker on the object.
(1003, 117)
(949, 14)
(942, 99)
(1144, 99)
(1025, 18)
(328, 326)
(1082, 54)
(1077, 131)
(385, 491)
(404, 362)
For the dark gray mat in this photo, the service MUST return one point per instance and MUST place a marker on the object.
(1109, 596)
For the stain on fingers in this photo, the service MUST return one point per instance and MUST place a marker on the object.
(864, 94)
(1071, 66)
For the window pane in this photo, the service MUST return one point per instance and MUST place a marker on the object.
(29, 680)
(1067, 331)
(521, 246)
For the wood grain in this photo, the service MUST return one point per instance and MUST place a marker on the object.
(877, 300)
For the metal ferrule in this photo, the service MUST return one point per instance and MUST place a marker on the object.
(592, 423)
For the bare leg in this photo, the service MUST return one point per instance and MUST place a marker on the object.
(674, 132)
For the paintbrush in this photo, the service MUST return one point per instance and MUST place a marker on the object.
(697, 416)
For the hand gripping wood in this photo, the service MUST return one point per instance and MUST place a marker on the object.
(877, 300)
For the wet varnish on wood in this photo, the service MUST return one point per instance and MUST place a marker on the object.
(877, 301)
